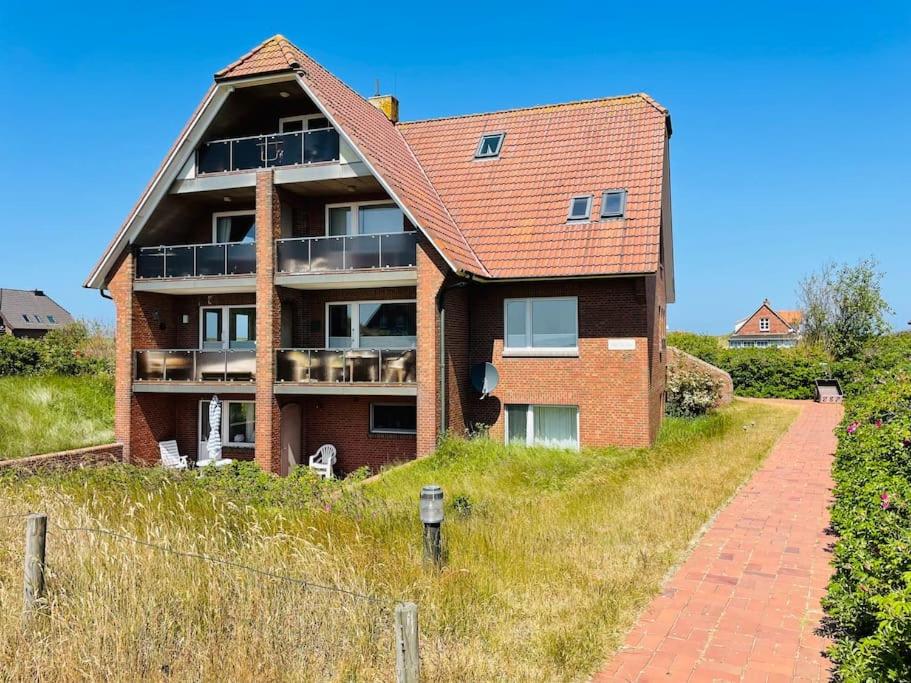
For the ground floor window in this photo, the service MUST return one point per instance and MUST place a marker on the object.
(238, 423)
(552, 426)
(393, 418)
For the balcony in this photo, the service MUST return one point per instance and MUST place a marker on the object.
(374, 371)
(192, 367)
(230, 266)
(386, 259)
(268, 151)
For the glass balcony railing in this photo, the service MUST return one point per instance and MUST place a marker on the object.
(196, 260)
(351, 252)
(268, 151)
(175, 365)
(346, 366)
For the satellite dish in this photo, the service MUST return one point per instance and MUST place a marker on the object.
(484, 378)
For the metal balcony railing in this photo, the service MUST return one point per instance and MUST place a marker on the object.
(350, 252)
(194, 365)
(346, 366)
(268, 151)
(196, 260)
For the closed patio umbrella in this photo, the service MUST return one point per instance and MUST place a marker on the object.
(213, 445)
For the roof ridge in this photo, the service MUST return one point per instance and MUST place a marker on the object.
(244, 57)
(590, 100)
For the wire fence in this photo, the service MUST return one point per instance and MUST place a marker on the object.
(405, 625)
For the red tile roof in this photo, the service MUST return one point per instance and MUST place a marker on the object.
(792, 318)
(513, 210)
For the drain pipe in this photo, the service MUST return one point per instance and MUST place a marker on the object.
(105, 296)
(441, 308)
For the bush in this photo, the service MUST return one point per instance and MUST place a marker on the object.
(869, 597)
(18, 356)
(79, 348)
(690, 392)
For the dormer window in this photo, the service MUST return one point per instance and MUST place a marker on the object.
(489, 146)
(580, 208)
(613, 204)
(764, 325)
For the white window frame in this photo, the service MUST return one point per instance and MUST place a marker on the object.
(588, 209)
(622, 214)
(224, 425)
(764, 325)
(225, 214)
(495, 154)
(355, 209)
(355, 324)
(530, 422)
(525, 351)
(304, 118)
(225, 324)
(374, 430)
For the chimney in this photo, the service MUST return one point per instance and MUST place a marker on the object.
(388, 104)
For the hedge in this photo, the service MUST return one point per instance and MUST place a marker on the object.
(75, 349)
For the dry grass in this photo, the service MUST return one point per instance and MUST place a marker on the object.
(549, 560)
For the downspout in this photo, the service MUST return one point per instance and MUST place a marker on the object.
(441, 308)
(105, 296)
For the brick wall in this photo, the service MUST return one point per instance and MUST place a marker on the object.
(431, 273)
(751, 326)
(121, 289)
(104, 454)
(611, 388)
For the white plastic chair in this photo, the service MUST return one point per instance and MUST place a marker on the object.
(323, 460)
(217, 463)
(171, 457)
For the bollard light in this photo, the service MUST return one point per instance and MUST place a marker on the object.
(431, 504)
(432, 517)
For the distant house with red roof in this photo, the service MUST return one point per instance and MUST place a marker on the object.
(338, 276)
(767, 327)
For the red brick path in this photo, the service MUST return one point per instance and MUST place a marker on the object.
(744, 606)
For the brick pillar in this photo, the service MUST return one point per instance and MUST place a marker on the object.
(268, 324)
(121, 288)
(430, 270)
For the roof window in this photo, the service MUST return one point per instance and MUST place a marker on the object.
(613, 203)
(489, 146)
(580, 208)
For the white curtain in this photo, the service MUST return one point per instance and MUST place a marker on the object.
(555, 426)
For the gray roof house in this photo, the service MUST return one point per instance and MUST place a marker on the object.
(30, 313)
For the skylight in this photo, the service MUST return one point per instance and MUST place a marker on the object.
(613, 204)
(580, 208)
(489, 146)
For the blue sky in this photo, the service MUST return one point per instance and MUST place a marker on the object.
(791, 137)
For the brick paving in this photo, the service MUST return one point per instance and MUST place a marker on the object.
(745, 605)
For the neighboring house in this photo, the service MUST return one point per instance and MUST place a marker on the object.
(30, 313)
(767, 328)
(333, 274)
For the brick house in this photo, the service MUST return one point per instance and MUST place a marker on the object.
(333, 274)
(30, 313)
(767, 328)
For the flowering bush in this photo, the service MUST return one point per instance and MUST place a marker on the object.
(869, 598)
(690, 392)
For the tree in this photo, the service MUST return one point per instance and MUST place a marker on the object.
(843, 307)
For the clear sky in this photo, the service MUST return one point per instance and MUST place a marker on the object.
(791, 146)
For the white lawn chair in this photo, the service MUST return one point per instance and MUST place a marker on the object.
(323, 460)
(171, 457)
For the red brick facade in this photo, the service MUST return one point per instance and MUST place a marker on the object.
(753, 325)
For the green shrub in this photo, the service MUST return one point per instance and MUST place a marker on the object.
(869, 597)
(690, 392)
(18, 356)
(76, 349)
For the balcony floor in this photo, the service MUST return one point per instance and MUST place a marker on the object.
(350, 279)
(216, 284)
(178, 387)
(346, 389)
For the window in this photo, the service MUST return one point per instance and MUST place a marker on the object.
(580, 208)
(550, 426)
(227, 327)
(238, 423)
(764, 325)
(36, 318)
(25, 318)
(372, 325)
(613, 204)
(393, 418)
(489, 146)
(294, 124)
(364, 218)
(52, 320)
(233, 226)
(545, 326)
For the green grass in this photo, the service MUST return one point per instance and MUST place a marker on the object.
(46, 413)
(549, 557)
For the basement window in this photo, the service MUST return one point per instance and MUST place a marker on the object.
(489, 146)
(613, 204)
(393, 418)
(580, 208)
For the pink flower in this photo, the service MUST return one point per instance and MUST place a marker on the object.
(885, 500)
(853, 427)
(906, 443)
(879, 423)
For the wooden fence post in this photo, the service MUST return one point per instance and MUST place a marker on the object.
(33, 574)
(407, 655)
